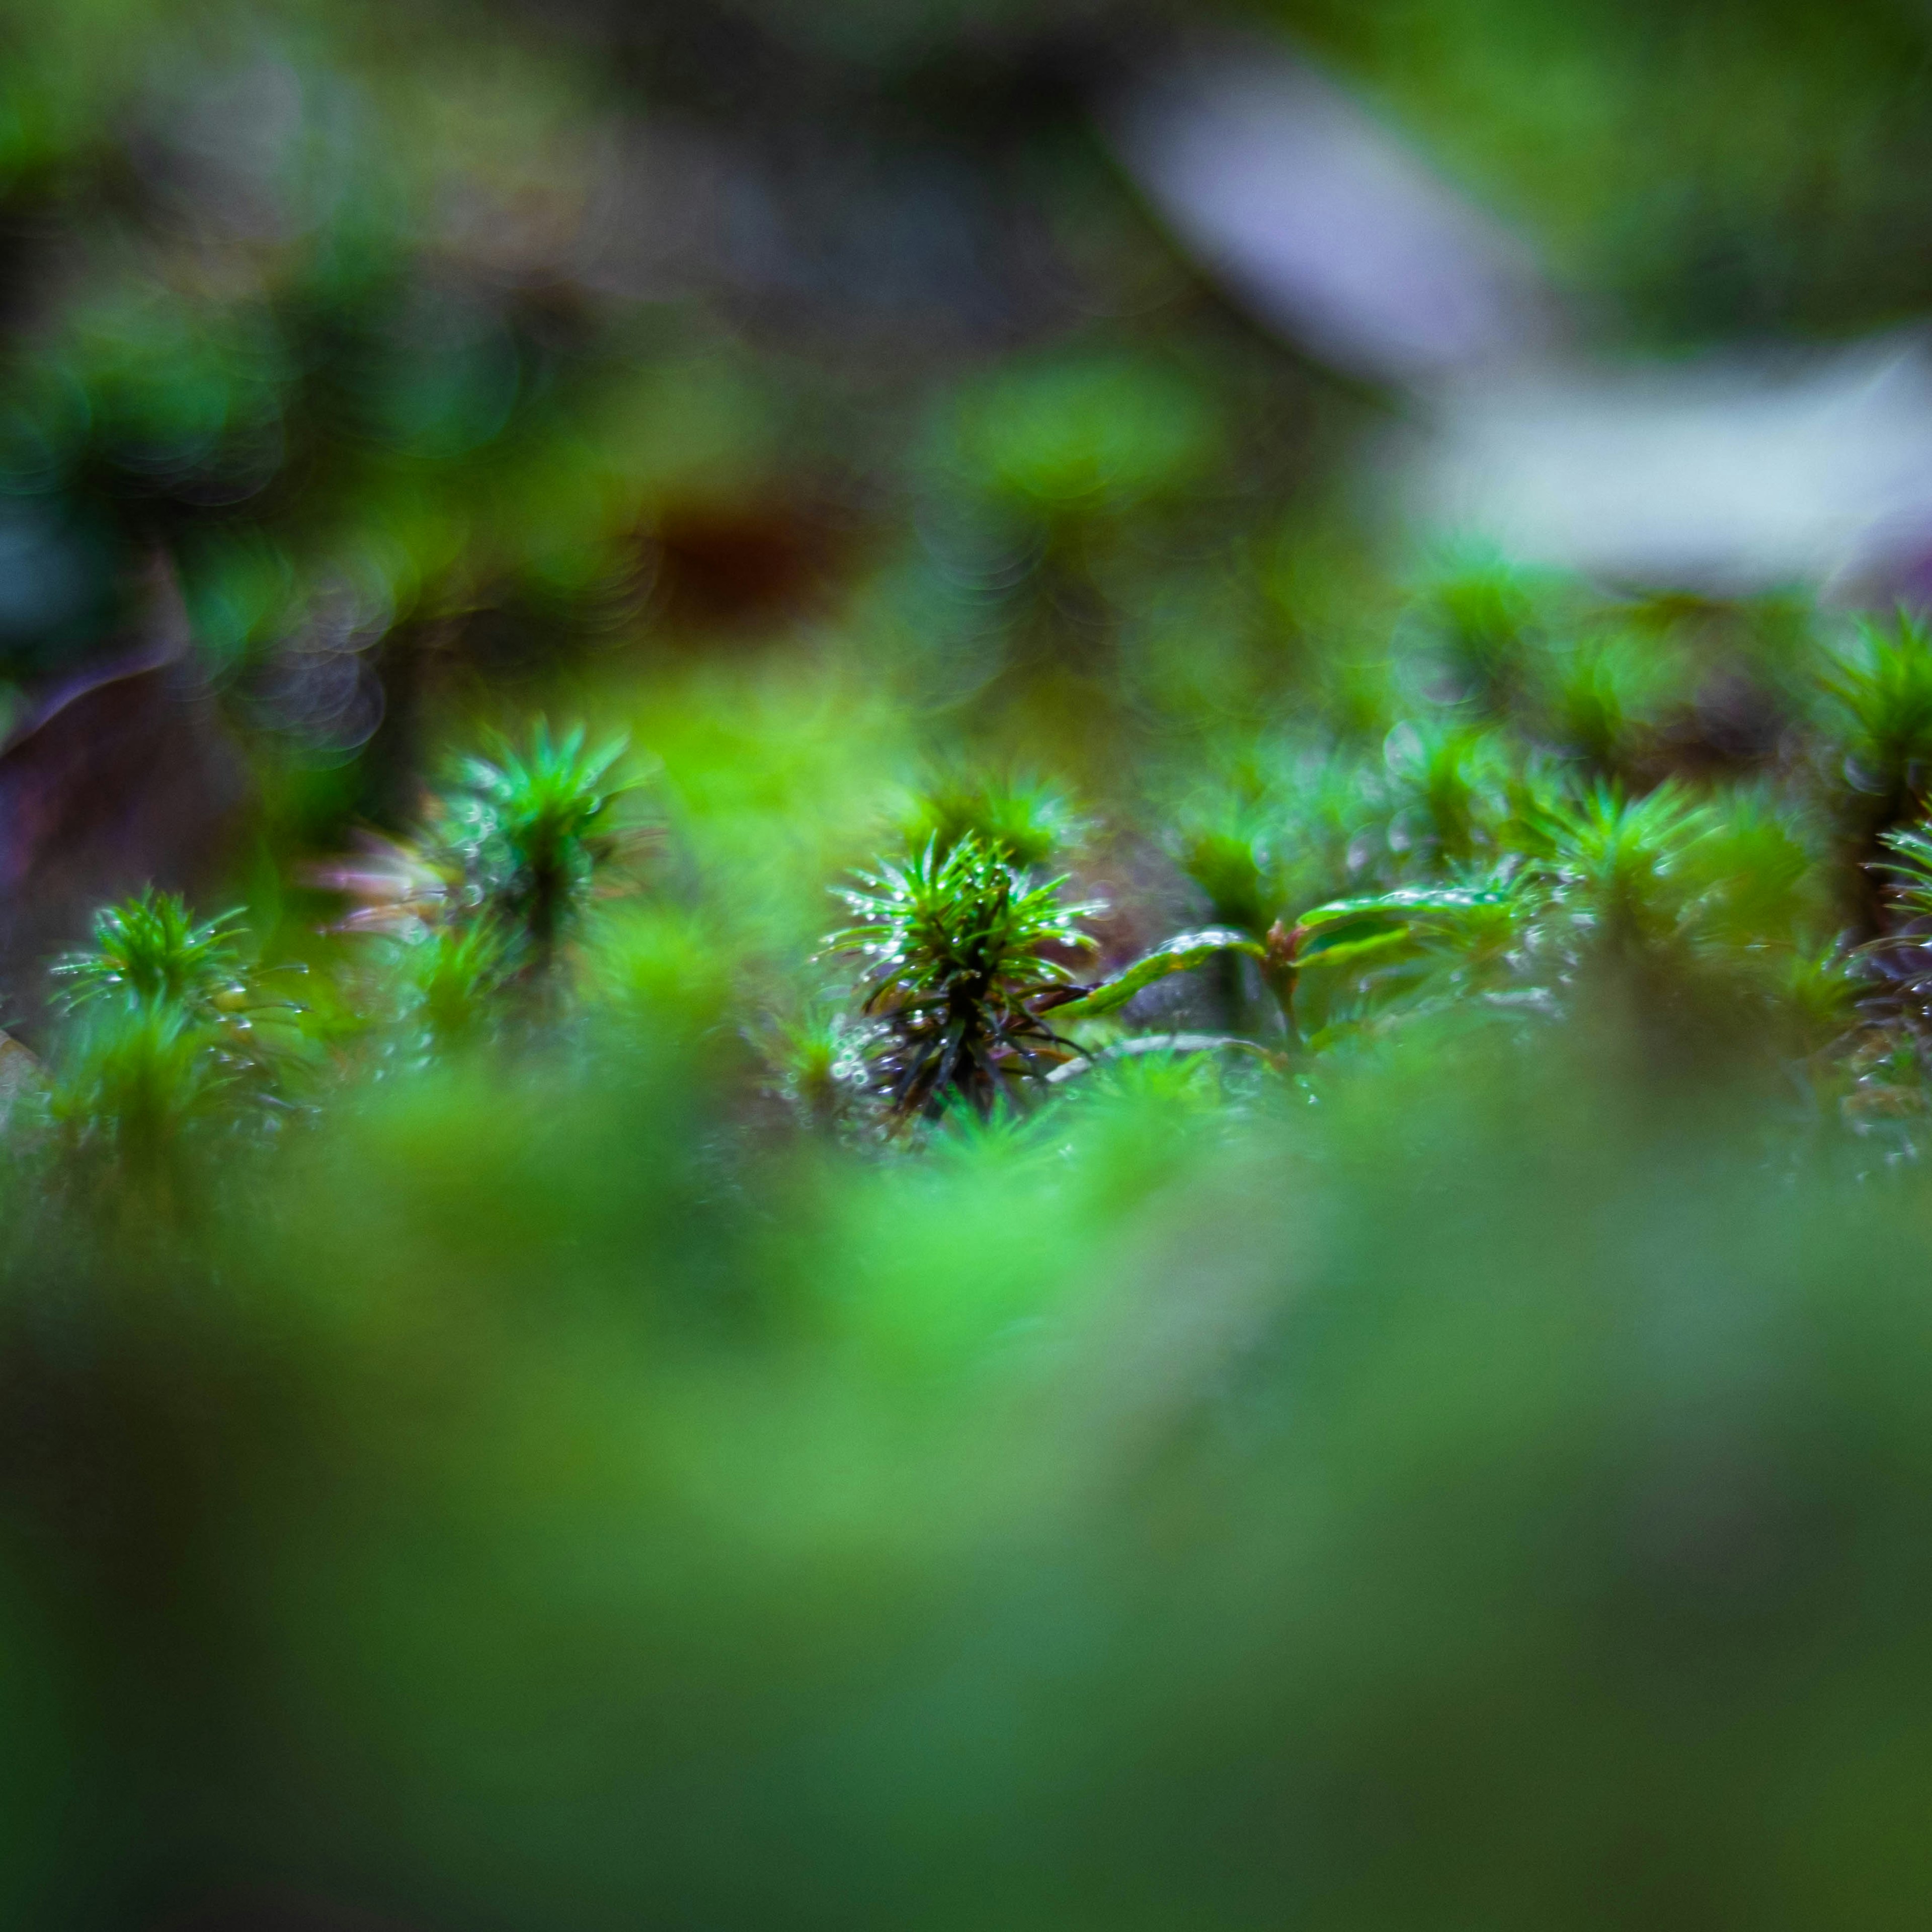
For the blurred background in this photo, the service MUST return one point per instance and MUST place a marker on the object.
(1066, 378)
(550, 1507)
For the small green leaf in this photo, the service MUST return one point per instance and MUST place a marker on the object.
(1353, 926)
(1344, 950)
(1180, 954)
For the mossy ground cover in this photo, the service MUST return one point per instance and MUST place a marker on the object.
(521, 1411)
(929, 1145)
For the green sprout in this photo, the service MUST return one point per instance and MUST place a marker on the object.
(1452, 789)
(1911, 872)
(148, 950)
(455, 973)
(530, 831)
(168, 1026)
(1483, 615)
(1607, 697)
(1709, 908)
(816, 1063)
(1229, 853)
(1880, 699)
(1883, 693)
(1898, 958)
(957, 947)
(1023, 819)
(484, 905)
(1620, 862)
(1229, 846)
(1289, 822)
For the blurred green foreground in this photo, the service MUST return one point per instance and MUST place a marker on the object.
(541, 1508)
